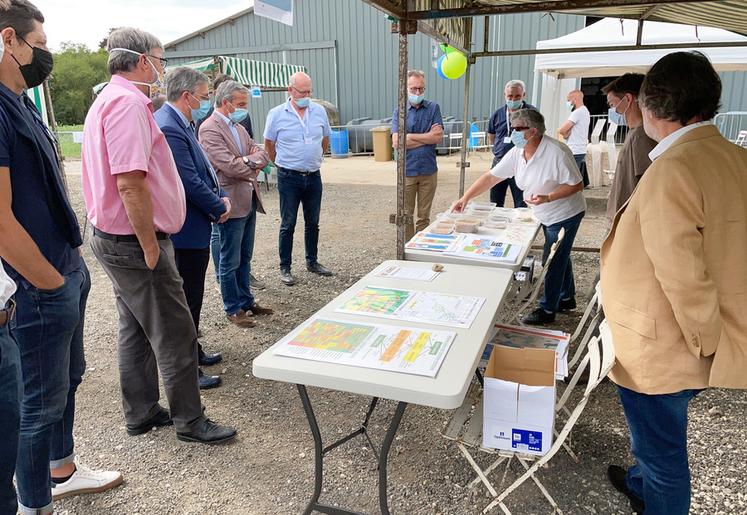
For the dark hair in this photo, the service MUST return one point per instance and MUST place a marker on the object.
(220, 79)
(20, 16)
(628, 83)
(681, 86)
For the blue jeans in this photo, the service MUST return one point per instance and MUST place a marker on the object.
(581, 163)
(559, 283)
(295, 189)
(49, 331)
(11, 392)
(236, 249)
(658, 440)
(215, 251)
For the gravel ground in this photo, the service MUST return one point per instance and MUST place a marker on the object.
(269, 468)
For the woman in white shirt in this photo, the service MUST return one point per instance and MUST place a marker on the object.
(545, 170)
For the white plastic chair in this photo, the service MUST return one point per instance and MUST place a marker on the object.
(465, 426)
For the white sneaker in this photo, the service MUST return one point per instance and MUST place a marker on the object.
(86, 481)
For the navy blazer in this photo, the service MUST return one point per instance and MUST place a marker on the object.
(204, 204)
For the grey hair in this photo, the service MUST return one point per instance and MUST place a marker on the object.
(183, 79)
(132, 39)
(226, 91)
(528, 118)
(515, 83)
(416, 73)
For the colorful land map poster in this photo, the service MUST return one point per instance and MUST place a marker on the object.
(414, 306)
(384, 347)
(487, 248)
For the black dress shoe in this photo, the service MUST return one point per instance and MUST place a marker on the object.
(208, 431)
(538, 317)
(206, 382)
(286, 277)
(160, 419)
(617, 475)
(206, 360)
(318, 268)
(567, 305)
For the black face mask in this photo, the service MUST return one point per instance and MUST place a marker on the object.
(38, 69)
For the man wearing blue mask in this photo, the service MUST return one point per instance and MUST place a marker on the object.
(499, 137)
(187, 102)
(237, 161)
(425, 129)
(634, 160)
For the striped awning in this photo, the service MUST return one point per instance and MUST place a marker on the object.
(250, 73)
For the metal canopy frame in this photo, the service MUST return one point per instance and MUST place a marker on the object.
(411, 16)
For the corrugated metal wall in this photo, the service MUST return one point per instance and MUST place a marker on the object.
(351, 55)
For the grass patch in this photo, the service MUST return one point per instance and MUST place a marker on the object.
(69, 148)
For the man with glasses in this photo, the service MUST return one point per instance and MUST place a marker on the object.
(425, 129)
(187, 102)
(296, 136)
(135, 201)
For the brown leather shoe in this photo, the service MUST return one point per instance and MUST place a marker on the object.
(259, 310)
(240, 319)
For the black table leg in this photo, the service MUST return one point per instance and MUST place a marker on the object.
(320, 451)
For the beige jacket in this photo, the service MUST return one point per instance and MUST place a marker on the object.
(238, 179)
(674, 270)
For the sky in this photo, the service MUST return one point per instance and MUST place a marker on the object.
(89, 21)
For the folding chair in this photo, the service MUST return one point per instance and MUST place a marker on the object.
(465, 426)
(529, 300)
(593, 306)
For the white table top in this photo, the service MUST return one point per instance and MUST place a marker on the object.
(448, 388)
(498, 234)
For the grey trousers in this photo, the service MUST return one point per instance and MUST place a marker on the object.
(156, 332)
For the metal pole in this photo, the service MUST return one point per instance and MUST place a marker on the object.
(463, 164)
(401, 218)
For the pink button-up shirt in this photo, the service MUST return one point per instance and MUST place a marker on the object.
(120, 135)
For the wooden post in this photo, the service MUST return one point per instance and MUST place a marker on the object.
(401, 218)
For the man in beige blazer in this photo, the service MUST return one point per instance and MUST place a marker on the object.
(237, 161)
(674, 279)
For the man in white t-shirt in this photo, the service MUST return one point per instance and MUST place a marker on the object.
(545, 170)
(11, 391)
(575, 130)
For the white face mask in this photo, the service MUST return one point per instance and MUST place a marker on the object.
(156, 85)
(2, 49)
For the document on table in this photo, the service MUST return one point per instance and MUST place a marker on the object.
(383, 347)
(483, 248)
(404, 272)
(433, 242)
(414, 306)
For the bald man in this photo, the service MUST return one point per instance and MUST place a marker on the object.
(296, 137)
(575, 130)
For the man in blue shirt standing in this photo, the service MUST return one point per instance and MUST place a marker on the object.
(39, 240)
(499, 136)
(425, 129)
(296, 136)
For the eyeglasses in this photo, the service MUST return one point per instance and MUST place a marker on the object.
(164, 62)
(303, 93)
(417, 90)
(521, 128)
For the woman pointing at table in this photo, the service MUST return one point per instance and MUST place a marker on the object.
(545, 170)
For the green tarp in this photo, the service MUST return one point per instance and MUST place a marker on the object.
(250, 73)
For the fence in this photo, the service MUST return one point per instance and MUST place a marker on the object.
(731, 124)
(70, 142)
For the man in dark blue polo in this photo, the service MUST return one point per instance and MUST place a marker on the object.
(39, 240)
(425, 129)
(499, 136)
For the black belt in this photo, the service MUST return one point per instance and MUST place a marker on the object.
(7, 314)
(127, 238)
(305, 173)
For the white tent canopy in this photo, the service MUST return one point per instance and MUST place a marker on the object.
(559, 73)
(612, 32)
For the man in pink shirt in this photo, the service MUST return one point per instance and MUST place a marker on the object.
(135, 200)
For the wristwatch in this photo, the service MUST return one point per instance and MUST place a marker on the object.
(245, 159)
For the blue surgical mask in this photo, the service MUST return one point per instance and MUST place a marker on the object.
(202, 111)
(302, 102)
(238, 115)
(569, 104)
(514, 104)
(415, 99)
(518, 139)
(615, 117)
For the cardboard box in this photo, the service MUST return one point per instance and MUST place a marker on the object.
(519, 400)
(535, 338)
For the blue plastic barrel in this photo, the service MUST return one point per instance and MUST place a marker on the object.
(339, 143)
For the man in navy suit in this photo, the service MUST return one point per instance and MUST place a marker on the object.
(187, 102)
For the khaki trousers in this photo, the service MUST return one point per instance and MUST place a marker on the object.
(422, 187)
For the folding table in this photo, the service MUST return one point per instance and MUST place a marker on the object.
(445, 391)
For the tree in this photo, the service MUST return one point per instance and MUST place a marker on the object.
(76, 70)
(105, 41)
